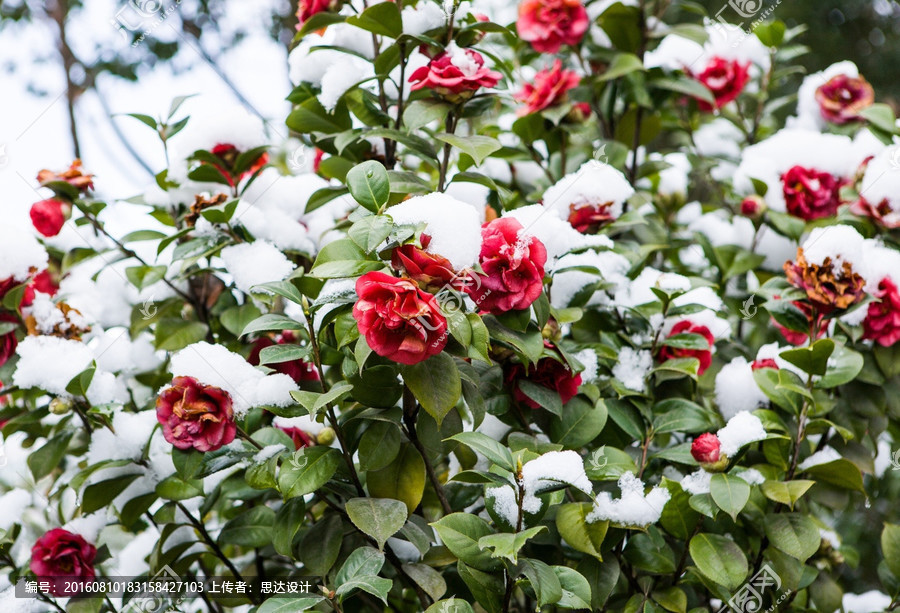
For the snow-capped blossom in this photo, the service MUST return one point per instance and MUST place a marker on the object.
(433, 272)
(548, 373)
(557, 235)
(252, 264)
(736, 389)
(703, 355)
(827, 268)
(513, 264)
(823, 456)
(633, 508)
(810, 194)
(194, 415)
(879, 197)
(550, 24)
(60, 554)
(455, 73)
(724, 78)
(399, 321)
(771, 160)
(248, 387)
(590, 197)
(308, 8)
(74, 176)
(452, 226)
(632, 368)
(55, 319)
(548, 89)
(49, 216)
(742, 429)
(835, 95)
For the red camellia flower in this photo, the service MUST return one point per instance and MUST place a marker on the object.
(229, 154)
(400, 321)
(195, 415)
(589, 218)
(8, 342)
(549, 373)
(455, 73)
(810, 194)
(706, 448)
(764, 363)
(724, 78)
(842, 98)
(548, 90)
(704, 355)
(513, 265)
(298, 370)
(308, 8)
(550, 24)
(49, 216)
(62, 554)
(429, 270)
(882, 323)
(300, 438)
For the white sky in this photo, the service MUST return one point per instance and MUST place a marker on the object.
(34, 125)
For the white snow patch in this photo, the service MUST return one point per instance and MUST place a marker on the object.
(742, 429)
(634, 508)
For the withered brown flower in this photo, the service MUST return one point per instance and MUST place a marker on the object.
(825, 288)
(201, 202)
(74, 176)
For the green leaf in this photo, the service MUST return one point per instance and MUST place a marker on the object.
(576, 591)
(890, 547)
(310, 116)
(308, 470)
(460, 533)
(679, 415)
(80, 383)
(236, 318)
(289, 605)
(403, 479)
(44, 460)
(843, 367)
(608, 464)
(253, 528)
(544, 396)
(380, 518)
(574, 529)
(881, 116)
(288, 520)
(488, 447)
(507, 544)
(435, 383)
(176, 488)
(420, 113)
(101, 494)
(771, 33)
(314, 401)
(368, 182)
(476, 146)
(382, 18)
(271, 321)
(719, 559)
(622, 64)
(377, 586)
(842, 473)
(684, 85)
(793, 533)
(363, 562)
(371, 231)
(145, 276)
(579, 424)
(428, 579)
(174, 334)
(321, 545)
(786, 492)
(729, 493)
(811, 360)
(453, 605)
(379, 445)
(487, 588)
(546, 586)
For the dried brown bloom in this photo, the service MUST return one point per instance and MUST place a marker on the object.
(74, 176)
(70, 325)
(825, 289)
(201, 202)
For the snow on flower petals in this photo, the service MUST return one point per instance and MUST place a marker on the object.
(217, 366)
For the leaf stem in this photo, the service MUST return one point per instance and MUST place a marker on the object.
(410, 412)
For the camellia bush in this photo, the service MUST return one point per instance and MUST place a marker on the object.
(522, 308)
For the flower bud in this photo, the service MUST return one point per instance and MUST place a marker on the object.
(753, 206)
(325, 437)
(60, 406)
(706, 449)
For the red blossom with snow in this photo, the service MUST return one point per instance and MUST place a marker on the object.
(194, 415)
(843, 97)
(550, 24)
(724, 78)
(455, 73)
(810, 194)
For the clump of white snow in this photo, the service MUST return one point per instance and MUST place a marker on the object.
(249, 387)
(453, 226)
(632, 367)
(20, 251)
(255, 263)
(742, 429)
(697, 482)
(826, 455)
(557, 235)
(129, 436)
(868, 602)
(840, 243)
(634, 508)
(595, 183)
(736, 389)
